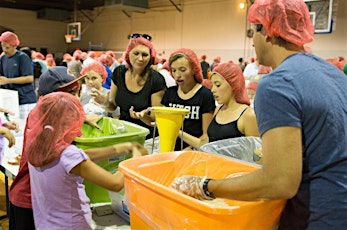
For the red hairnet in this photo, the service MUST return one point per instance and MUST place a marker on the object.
(193, 60)
(51, 126)
(96, 67)
(50, 61)
(137, 42)
(10, 38)
(77, 54)
(203, 57)
(207, 83)
(232, 73)
(252, 85)
(262, 69)
(67, 57)
(289, 20)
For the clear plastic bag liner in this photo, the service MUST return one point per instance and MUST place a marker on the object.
(241, 148)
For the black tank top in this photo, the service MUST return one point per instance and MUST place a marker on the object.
(218, 131)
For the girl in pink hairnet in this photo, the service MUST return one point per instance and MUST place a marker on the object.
(57, 167)
(189, 94)
(96, 75)
(136, 86)
(233, 117)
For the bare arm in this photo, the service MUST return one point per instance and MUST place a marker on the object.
(143, 115)
(247, 123)
(16, 80)
(97, 154)
(108, 100)
(196, 142)
(280, 176)
(99, 176)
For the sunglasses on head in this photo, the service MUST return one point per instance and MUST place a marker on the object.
(258, 27)
(146, 36)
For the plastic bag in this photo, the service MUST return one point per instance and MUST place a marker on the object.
(109, 126)
(241, 148)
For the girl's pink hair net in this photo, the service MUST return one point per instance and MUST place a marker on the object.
(288, 19)
(96, 67)
(137, 42)
(10, 38)
(51, 126)
(232, 73)
(192, 58)
(262, 69)
(252, 85)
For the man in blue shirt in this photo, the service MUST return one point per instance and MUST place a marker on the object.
(16, 73)
(301, 113)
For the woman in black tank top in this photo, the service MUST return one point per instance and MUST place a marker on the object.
(233, 117)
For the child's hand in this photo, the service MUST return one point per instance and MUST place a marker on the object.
(138, 115)
(138, 150)
(7, 111)
(98, 96)
(8, 135)
(92, 119)
(11, 125)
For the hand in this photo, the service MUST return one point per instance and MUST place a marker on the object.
(138, 115)
(3, 80)
(191, 186)
(8, 135)
(138, 150)
(92, 120)
(11, 126)
(7, 111)
(98, 96)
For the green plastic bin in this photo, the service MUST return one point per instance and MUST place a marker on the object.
(113, 131)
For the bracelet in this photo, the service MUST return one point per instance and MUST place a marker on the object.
(205, 188)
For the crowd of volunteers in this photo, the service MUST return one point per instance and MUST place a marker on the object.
(291, 99)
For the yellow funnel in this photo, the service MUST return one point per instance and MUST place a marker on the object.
(169, 122)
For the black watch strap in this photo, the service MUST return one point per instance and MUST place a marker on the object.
(205, 188)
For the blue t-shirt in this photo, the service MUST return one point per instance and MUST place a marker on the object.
(15, 66)
(107, 83)
(307, 92)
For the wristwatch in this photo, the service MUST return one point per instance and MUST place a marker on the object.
(205, 188)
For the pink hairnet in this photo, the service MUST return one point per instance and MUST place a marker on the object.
(232, 73)
(50, 61)
(51, 126)
(96, 67)
(262, 69)
(252, 85)
(91, 54)
(110, 52)
(193, 60)
(217, 59)
(67, 57)
(207, 83)
(203, 57)
(38, 55)
(77, 54)
(137, 42)
(289, 20)
(10, 38)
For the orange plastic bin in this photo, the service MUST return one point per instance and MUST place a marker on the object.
(154, 205)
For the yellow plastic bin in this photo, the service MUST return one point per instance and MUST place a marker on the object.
(154, 205)
(113, 131)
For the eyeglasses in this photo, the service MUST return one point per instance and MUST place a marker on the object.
(146, 36)
(258, 27)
